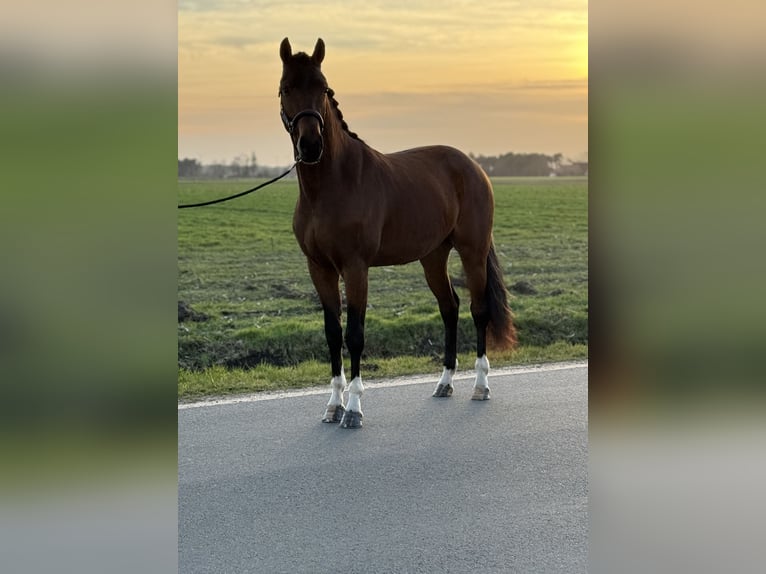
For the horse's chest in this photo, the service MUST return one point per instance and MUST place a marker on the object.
(329, 239)
(310, 239)
(317, 238)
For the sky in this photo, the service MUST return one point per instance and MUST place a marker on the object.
(486, 77)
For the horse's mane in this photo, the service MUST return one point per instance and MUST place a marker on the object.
(338, 113)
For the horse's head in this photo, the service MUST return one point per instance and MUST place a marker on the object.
(303, 92)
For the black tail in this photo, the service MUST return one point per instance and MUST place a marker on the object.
(501, 332)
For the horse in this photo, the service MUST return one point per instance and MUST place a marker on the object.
(359, 208)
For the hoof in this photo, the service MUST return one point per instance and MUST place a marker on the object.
(443, 391)
(351, 420)
(333, 414)
(480, 394)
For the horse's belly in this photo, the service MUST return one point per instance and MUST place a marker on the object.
(419, 228)
(382, 260)
(405, 249)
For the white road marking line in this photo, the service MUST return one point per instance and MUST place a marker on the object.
(371, 385)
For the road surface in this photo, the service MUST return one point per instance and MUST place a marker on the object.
(428, 485)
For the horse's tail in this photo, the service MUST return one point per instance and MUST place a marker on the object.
(501, 332)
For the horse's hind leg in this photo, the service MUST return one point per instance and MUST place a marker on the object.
(435, 267)
(326, 284)
(475, 267)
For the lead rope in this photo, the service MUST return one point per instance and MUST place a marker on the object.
(256, 188)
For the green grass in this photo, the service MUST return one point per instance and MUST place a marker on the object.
(239, 263)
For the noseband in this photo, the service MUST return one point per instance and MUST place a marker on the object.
(291, 123)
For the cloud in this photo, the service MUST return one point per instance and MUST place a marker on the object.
(395, 27)
(424, 70)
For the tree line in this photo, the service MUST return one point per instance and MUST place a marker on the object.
(530, 164)
(509, 164)
(239, 167)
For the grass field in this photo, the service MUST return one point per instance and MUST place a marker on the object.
(240, 266)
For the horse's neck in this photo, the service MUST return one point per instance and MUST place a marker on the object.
(341, 153)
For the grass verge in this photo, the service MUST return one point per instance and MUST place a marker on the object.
(255, 322)
(220, 381)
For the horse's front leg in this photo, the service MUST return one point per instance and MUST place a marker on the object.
(334, 334)
(326, 284)
(355, 279)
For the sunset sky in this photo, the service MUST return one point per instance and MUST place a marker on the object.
(487, 77)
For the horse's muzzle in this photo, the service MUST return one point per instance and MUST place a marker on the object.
(309, 149)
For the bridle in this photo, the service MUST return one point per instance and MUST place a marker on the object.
(291, 123)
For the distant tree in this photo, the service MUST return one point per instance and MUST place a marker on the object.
(529, 164)
(189, 168)
(570, 168)
(555, 163)
(243, 166)
(238, 166)
(252, 168)
(523, 164)
(216, 170)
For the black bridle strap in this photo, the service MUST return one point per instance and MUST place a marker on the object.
(291, 123)
(257, 187)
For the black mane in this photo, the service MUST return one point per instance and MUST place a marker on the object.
(336, 107)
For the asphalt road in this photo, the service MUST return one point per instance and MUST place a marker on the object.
(428, 485)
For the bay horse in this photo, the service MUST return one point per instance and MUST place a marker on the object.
(359, 208)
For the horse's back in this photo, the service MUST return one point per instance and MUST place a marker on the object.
(444, 170)
(449, 171)
(440, 158)
(430, 193)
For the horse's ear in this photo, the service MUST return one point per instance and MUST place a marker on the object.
(285, 50)
(318, 54)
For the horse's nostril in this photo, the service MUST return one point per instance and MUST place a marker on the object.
(310, 150)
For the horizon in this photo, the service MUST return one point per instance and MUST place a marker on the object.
(489, 79)
(231, 161)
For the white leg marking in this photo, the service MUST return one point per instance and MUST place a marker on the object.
(481, 386)
(445, 381)
(355, 391)
(338, 385)
(482, 370)
(335, 407)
